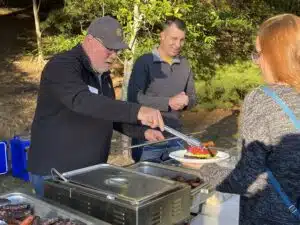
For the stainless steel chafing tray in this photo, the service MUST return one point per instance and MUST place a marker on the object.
(199, 194)
(48, 210)
(121, 196)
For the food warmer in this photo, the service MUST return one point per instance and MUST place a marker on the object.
(200, 190)
(121, 196)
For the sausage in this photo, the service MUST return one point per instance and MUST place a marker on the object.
(19, 214)
(37, 221)
(28, 220)
(194, 184)
(179, 179)
(12, 222)
(3, 214)
(50, 221)
(15, 207)
(60, 222)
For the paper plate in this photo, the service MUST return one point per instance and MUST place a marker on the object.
(179, 156)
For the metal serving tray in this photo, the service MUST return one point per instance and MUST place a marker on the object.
(120, 183)
(47, 210)
(121, 196)
(199, 194)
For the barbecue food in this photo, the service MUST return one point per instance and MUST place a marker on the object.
(28, 220)
(23, 214)
(201, 152)
(192, 182)
(36, 221)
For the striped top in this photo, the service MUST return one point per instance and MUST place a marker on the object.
(267, 138)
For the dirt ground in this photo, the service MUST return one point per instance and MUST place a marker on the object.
(19, 82)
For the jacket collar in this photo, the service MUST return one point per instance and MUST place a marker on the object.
(157, 58)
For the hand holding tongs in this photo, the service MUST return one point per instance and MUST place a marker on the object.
(190, 140)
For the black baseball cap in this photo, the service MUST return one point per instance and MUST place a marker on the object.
(109, 31)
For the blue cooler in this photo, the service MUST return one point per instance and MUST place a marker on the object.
(3, 158)
(19, 146)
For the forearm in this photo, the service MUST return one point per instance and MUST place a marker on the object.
(131, 130)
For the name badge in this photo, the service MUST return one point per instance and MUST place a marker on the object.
(93, 90)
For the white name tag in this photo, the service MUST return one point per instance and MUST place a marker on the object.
(93, 90)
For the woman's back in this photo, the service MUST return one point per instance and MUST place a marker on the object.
(270, 139)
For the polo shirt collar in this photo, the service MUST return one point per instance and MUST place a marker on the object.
(157, 58)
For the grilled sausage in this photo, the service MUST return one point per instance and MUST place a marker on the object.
(19, 214)
(28, 220)
(37, 221)
(15, 207)
(50, 221)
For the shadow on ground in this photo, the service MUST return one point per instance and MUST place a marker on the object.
(224, 132)
(18, 88)
(17, 39)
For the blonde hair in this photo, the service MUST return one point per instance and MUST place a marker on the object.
(279, 39)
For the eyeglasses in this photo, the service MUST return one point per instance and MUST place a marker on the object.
(108, 49)
(117, 51)
(255, 56)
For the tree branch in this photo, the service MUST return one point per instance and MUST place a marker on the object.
(38, 8)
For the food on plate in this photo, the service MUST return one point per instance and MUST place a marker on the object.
(208, 144)
(201, 152)
(192, 182)
(23, 214)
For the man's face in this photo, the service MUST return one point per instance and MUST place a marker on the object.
(172, 40)
(100, 57)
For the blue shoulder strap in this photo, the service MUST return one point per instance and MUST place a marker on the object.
(291, 207)
(268, 91)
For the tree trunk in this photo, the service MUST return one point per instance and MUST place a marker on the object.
(38, 31)
(128, 64)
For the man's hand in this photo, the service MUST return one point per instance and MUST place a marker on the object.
(153, 135)
(179, 101)
(151, 117)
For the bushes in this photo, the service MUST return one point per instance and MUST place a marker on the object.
(219, 40)
(229, 87)
(60, 43)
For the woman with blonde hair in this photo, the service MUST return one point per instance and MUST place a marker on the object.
(268, 174)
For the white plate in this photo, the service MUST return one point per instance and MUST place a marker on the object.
(179, 156)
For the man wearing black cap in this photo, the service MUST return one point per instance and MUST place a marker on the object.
(76, 108)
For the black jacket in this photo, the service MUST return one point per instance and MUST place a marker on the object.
(73, 125)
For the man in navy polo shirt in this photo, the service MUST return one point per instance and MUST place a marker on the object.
(163, 80)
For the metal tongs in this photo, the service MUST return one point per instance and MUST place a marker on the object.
(190, 140)
(58, 174)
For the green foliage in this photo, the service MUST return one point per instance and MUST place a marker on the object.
(60, 43)
(216, 36)
(230, 85)
(219, 41)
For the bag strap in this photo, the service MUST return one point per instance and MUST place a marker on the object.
(268, 91)
(291, 207)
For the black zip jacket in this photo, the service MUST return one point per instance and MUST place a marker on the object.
(73, 124)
